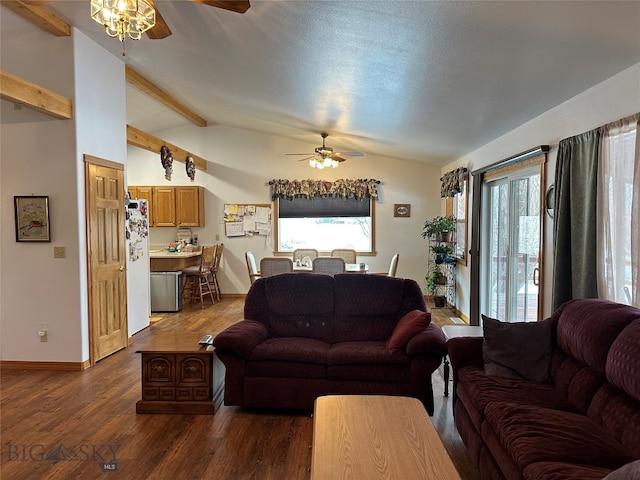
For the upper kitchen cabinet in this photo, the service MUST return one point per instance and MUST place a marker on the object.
(164, 204)
(147, 194)
(190, 206)
(173, 206)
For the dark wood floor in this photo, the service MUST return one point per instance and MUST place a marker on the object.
(65, 425)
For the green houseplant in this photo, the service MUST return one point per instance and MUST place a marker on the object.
(438, 226)
(434, 278)
(440, 252)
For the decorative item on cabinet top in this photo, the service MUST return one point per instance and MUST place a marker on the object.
(181, 206)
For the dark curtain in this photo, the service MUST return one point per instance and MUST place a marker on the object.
(574, 227)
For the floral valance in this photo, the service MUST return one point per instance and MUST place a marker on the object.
(452, 182)
(343, 188)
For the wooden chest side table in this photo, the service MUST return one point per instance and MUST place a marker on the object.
(454, 331)
(179, 375)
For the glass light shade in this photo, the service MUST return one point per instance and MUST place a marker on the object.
(122, 18)
(321, 163)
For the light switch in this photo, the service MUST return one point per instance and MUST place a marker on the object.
(217, 237)
(59, 252)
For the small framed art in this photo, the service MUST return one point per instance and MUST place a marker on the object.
(32, 219)
(401, 210)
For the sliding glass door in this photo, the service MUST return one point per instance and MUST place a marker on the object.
(511, 225)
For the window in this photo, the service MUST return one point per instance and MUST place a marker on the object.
(506, 233)
(511, 226)
(618, 189)
(325, 223)
(457, 206)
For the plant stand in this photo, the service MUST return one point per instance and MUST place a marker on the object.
(445, 289)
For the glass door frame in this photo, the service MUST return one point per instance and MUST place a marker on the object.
(476, 238)
(502, 274)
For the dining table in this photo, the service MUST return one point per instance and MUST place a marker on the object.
(348, 268)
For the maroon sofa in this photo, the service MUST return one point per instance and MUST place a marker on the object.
(581, 424)
(307, 335)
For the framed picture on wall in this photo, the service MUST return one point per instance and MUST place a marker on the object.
(401, 210)
(32, 219)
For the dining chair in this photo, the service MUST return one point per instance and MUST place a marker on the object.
(198, 277)
(300, 253)
(270, 266)
(214, 269)
(347, 254)
(252, 267)
(328, 265)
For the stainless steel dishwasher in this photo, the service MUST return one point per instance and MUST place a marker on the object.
(166, 292)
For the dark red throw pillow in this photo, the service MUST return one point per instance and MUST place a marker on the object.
(410, 325)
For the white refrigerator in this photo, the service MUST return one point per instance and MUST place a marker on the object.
(138, 286)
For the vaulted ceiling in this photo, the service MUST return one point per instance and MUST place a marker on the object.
(421, 80)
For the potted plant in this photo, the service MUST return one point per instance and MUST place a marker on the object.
(434, 278)
(440, 252)
(439, 228)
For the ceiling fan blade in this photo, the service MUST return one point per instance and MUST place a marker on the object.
(337, 158)
(238, 6)
(309, 153)
(350, 154)
(161, 29)
(308, 158)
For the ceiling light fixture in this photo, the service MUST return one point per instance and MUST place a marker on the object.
(323, 162)
(122, 18)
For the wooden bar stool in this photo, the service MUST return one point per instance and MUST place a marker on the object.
(199, 277)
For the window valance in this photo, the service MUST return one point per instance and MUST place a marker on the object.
(359, 189)
(452, 182)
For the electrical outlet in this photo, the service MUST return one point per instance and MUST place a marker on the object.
(59, 252)
(43, 333)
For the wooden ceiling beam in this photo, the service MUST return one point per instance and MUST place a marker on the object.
(138, 138)
(155, 92)
(40, 17)
(23, 92)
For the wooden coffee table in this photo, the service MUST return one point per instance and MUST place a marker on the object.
(179, 375)
(374, 437)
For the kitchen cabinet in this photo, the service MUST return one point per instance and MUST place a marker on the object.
(164, 204)
(190, 206)
(181, 206)
(147, 194)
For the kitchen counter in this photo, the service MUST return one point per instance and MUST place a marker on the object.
(163, 260)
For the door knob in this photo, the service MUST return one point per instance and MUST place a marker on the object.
(122, 268)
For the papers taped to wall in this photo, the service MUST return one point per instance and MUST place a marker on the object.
(247, 219)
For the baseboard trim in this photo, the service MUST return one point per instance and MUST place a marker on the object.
(233, 295)
(30, 365)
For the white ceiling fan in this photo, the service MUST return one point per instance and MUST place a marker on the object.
(324, 156)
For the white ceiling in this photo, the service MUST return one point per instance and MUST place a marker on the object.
(420, 80)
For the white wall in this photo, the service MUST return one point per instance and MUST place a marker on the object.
(100, 117)
(608, 101)
(240, 165)
(38, 158)
(42, 155)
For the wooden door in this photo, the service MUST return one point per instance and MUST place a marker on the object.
(188, 206)
(164, 206)
(106, 257)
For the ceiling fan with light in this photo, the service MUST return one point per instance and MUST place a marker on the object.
(323, 157)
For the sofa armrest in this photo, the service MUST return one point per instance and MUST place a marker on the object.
(242, 337)
(465, 352)
(431, 341)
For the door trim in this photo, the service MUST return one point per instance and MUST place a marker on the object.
(476, 219)
(92, 160)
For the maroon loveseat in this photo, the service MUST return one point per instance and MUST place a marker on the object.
(581, 424)
(307, 335)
